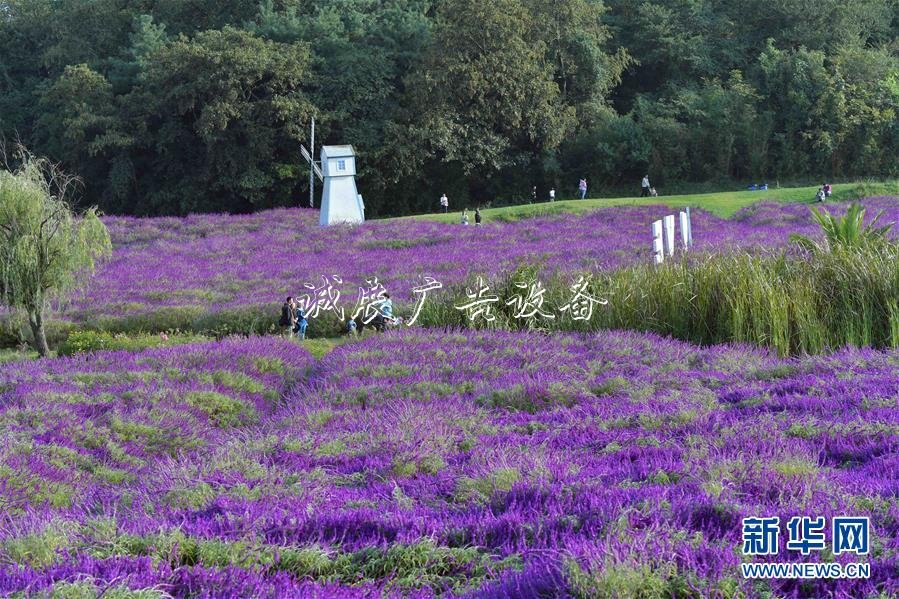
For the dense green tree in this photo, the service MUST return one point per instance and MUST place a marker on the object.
(192, 16)
(217, 120)
(505, 83)
(707, 131)
(80, 124)
(361, 53)
(485, 95)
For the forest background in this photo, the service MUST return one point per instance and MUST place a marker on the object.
(166, 107)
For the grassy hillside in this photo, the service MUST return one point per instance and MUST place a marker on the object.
(725, 203)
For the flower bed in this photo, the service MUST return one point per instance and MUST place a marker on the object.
(485, 464)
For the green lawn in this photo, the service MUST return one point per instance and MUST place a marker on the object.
(725, 203)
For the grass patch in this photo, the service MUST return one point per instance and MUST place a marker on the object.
(37, 550)
(10, 355)
(402, 566)
(530, 400)
(795, 468)
(632, 580)
(481, 489)
(236, 381)
(331, 449)
(224, 410)
(322, 346)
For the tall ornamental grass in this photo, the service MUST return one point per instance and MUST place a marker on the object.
(795, 305)
(801, 303)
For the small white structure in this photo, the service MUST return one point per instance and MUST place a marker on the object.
(341, 203)
(669, 234)
(663, 235)
(686, 229)
(658, 245)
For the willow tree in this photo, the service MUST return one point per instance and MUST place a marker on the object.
(46, 247)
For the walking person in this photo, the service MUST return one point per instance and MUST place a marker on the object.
(477, 217)
(444, 203)
(288, 317)
(552, 194)
(582, 188)
(644, 187)
(465, 217)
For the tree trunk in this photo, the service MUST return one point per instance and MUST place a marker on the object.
(36, 320)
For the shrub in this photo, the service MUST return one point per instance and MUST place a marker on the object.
(847, 231)
(868, 189)
(237, 321)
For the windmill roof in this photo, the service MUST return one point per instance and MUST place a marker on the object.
(338, 151)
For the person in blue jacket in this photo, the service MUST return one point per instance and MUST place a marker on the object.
(302, 323)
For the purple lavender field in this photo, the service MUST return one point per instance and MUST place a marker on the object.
(422, 464)
(208, 263)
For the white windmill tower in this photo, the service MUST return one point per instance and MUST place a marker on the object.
(341, 202)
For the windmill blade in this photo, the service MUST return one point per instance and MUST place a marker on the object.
(305, 153)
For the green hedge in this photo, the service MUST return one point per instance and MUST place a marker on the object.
(184, 321)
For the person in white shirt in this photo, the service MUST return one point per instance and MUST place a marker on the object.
(552, 194)
(644, 187)
(465, 216)
(444, 203)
